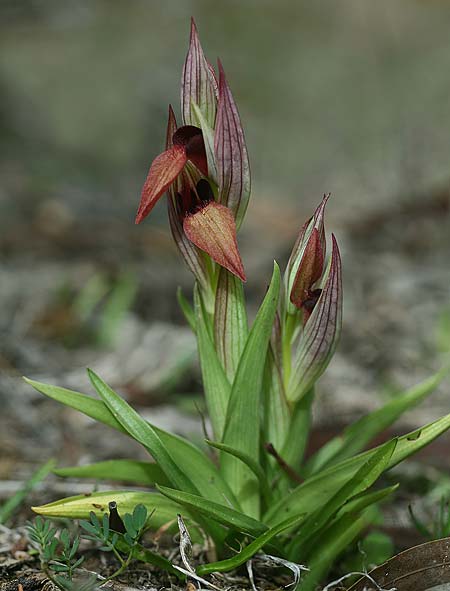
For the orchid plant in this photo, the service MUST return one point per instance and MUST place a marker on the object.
(249, 490)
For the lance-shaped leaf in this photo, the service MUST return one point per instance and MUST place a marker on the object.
(309, 271)
(367, 474)
(321, 333)
(163, 171)
(79, 507)
(193, 258)
(233, 168)
(144, 433)
(121, 470)
(140, 430)
(197, 83)
(230, 321)
(356, 436)
(251, 463)
(250, 550)
(333, 542)
(196, 464)
(220, 513)
(212, 229)
(317, 489)
(242, 429)
(277, 414)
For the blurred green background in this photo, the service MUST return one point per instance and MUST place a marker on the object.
(350, 97)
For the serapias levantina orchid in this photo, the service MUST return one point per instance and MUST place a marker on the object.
(252, 490)
(314, 290)
(204, 169)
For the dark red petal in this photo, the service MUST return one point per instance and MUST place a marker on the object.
(315, 221)
(309, 271)
(212, 228)
(233, 169)
(197, 83)
(164, 170)
(191, 138)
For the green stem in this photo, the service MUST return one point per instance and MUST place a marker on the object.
(124, 564)
(290, 325)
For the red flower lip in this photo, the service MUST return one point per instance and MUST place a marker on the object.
(187, 144)
(212, 229)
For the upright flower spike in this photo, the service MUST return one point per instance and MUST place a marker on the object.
(233, 168)
(321, 332)
(198, 84)
(189, 166)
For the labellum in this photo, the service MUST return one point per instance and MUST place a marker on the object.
(212, 229)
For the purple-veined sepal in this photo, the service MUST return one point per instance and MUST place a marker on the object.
(321, 333)
(233, 168)
(198, 83)
(316, 222)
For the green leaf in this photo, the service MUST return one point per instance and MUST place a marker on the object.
(366, 499)
(139, 516)
(80, 507)
(140, 430)
(248, 551)
(121, 470)
(17, 499)
(230, 321)
(367, 474)
(359, 434)
(316, 491)
(332, 542)
(277, 416)
(215, 382)
(250, 462)
(298, 434)
(199, 468)
(242, 429)
(187, 310)
(129, 526)
(220, 513)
